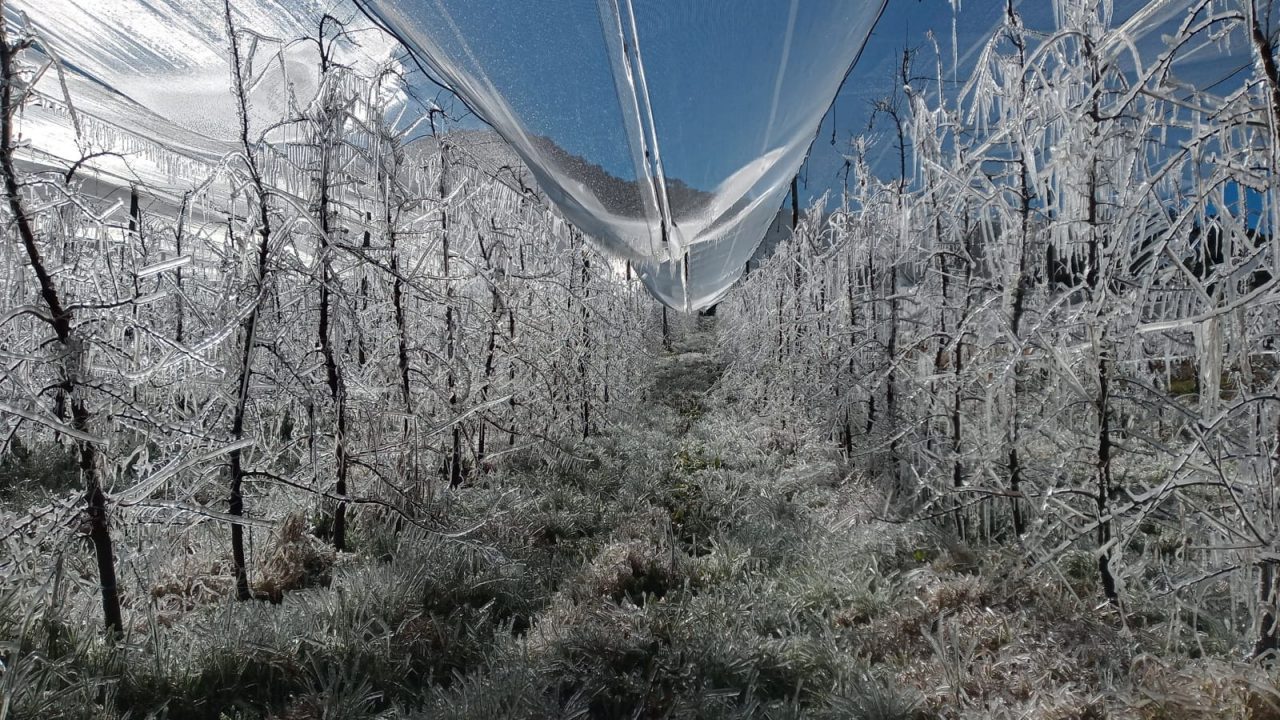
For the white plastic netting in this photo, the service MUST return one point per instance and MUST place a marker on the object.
(668, 132)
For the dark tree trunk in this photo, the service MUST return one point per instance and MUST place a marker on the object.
(584, 352)
(249, 326)
(795, 202)
(452, 469)
(326, 332)
(60, 320)
(1104, 478)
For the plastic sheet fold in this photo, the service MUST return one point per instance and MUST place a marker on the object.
(669, 132)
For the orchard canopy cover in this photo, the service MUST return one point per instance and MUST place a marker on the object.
(667, 131)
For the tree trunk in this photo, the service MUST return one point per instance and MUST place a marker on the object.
(73, 361)
(249, 326)
(325, 336)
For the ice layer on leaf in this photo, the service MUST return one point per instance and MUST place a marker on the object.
(667, 131)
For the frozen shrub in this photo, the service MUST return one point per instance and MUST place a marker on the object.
(633, 570)
(43, 467)
(178, 591)
(871, 698)
(296, 560)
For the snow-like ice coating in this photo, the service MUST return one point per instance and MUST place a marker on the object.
(668, 132)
